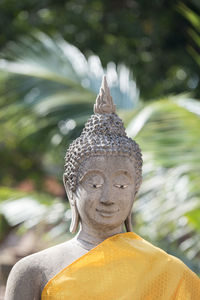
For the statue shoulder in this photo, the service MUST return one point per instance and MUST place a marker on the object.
(23, 280)
(156, 255)
(29, 276)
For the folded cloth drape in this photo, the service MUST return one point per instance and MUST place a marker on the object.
(124, 267)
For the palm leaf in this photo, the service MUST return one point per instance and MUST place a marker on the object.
(169, 136)
(48, 81)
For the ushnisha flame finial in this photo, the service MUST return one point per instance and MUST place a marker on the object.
(104, 102)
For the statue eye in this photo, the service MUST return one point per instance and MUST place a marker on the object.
(95, 186)
(121, 186)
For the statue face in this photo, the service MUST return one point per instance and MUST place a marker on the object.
(105, 192)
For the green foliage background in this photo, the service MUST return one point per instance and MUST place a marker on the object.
(148, 36)
(47, 91)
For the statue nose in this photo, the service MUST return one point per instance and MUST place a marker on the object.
(106, 201)
(107, 197)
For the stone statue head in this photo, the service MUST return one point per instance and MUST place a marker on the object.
(103, 156)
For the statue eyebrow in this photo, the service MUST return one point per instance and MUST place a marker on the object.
(124, 172)
(90, 171)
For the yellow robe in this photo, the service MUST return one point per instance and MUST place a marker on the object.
(124, 267)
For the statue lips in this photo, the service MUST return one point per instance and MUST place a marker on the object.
(107, 213)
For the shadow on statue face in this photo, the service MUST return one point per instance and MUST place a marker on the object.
(105, 191)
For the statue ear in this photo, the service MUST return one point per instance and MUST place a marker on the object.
(67, 189)
(72, 200)
(128, 223)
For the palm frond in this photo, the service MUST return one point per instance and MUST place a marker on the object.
(48, 81)
(168, 134)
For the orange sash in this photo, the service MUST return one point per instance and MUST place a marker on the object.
(124, 267)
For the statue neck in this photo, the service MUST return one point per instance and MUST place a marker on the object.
(89, 238)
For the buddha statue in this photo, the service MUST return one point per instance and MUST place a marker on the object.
(103, 173)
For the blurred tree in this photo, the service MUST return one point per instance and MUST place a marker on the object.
(148, 36)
